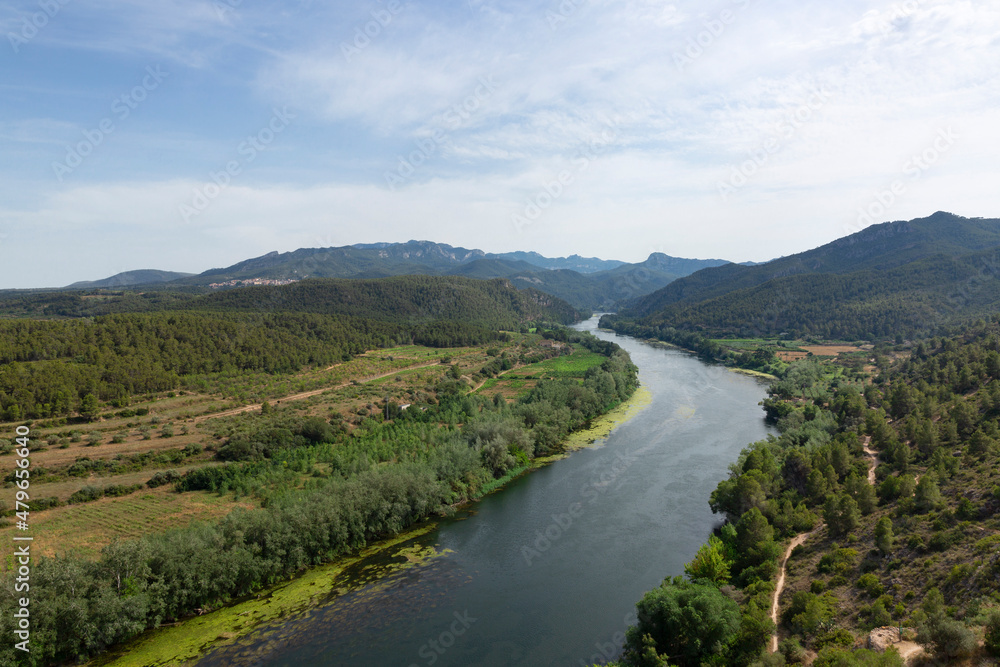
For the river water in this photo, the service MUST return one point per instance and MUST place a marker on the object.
(548, 570)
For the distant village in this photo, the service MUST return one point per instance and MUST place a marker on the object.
(253, 281)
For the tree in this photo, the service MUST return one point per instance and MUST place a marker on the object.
(688, 622)
(884, 536)
(89, 407)
(945, 636)
(928, 494)
(710, 563)
(992, 632)
(756, 551)
(841, 514)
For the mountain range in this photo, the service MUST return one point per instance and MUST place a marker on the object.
(587, 283)
(894, 278)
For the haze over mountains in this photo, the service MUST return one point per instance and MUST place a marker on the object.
(892, 278)
(588, 283)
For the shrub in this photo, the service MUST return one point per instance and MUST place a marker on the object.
(947, 637)
(792, 650)
(992, 638)
(870, 584)
(86, 495)
(840, 561)
(838, 637)
(161, 478)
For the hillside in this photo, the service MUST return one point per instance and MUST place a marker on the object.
(900, 278)
(875, 509)
(131, 278)
(495, 304)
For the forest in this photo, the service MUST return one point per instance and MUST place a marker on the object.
(917, 545)
(67, 367)
(411, 299)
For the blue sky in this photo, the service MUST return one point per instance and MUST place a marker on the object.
(190, 134)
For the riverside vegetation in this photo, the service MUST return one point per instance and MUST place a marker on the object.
(306, 480)
(918, 548)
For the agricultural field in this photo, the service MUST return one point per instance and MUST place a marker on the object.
(175, 432)
(86, 528)
(519, 381)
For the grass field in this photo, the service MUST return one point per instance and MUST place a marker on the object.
(574, 365)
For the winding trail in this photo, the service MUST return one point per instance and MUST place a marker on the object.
(798, 540)
(873, 456)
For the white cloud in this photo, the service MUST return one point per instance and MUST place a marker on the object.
(692, 94)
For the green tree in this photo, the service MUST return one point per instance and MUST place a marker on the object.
(89, 407)
(928, 494)
(841, 514)
(756, 551)
(884, 536)
(992, 632)
(710, 563)
(689, 622)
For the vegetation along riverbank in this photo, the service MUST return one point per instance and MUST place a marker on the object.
(885, 484)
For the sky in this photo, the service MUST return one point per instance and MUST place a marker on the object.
(190, 134)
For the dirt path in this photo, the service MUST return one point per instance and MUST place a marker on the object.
(873, 456)
(499, 375)
(314, 392)
(796, 541)
(908, 650)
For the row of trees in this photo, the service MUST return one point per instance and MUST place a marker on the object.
(707, 349)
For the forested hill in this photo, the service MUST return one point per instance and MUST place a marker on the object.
(130, 278)
(896, 279)
(583, 282)
(883, 246)
(495, 304)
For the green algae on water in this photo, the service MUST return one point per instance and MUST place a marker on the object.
(188, 640)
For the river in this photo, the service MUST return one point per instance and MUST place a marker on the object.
(548, 570)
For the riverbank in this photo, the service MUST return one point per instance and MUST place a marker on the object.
(602, 427)
(189, 639)
(756, 374)
(185, 641)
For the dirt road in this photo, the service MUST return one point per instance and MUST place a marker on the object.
(307, 394)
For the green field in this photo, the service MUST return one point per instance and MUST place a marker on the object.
(570, 366)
